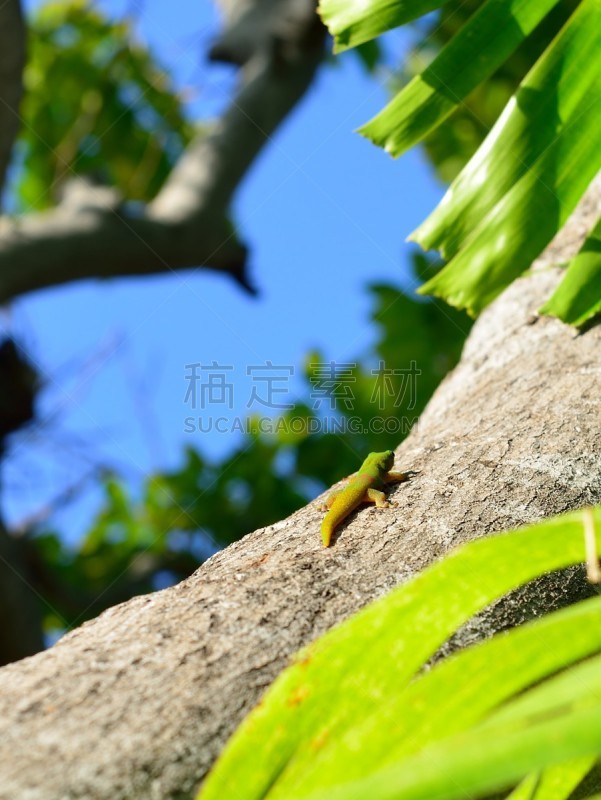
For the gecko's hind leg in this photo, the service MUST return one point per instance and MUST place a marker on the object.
(377, 497)
(329, 501)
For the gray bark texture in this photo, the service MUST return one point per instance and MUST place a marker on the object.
(138, 703)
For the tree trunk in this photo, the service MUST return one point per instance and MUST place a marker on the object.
(138, 703)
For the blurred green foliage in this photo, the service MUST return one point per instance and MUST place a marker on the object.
(114, 113)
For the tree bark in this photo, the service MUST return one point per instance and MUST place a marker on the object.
(138, 703)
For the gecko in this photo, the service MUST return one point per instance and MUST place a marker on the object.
(364, 486)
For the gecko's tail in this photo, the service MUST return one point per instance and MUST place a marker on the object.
(327, 529)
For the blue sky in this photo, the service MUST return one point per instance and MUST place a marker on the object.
(324, 213)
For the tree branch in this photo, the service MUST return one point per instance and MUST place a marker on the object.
(12, 61)
(138, 703)
(187, 225)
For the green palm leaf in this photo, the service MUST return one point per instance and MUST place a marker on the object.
(482, 45)
(525, 220)
(563, 82)
(554, 783)
(558, 720)
(352, 22)
(350, 706)
(535, 164)
(578, 296)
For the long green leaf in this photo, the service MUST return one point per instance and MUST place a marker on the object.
(352, 22)
(451, 698)
(557, 721)
(578, 296)
(472, 55)
(553, 93)
(555, 783)
(359, 666)
(511, 235)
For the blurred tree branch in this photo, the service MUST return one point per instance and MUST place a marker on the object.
(90, 234)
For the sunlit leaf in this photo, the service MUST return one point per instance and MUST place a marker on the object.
(473, 54)
(347, 706)
(527, 177)
(558, 720)
(562, 84)
(554, 783)
(352, 22)
(578, 296)
(510, 236)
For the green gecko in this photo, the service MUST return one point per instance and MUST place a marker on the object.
(364, 486)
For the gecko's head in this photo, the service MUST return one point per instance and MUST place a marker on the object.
(383, 460)
(388, 459)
